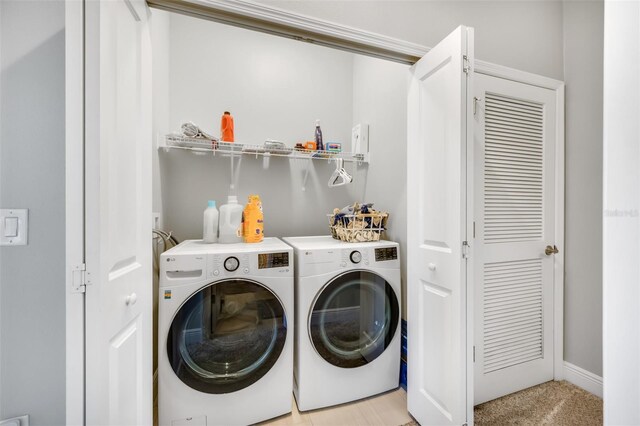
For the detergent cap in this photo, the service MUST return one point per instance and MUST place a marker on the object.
(211, 203)
(232, 199)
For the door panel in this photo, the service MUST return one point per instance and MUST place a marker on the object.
(437, 148)
(514, 214)
(125, 368)
(118, 214)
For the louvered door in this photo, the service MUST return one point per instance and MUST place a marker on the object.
(514, 222)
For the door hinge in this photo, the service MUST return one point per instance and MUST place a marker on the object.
(78, 278)
(465, 64)
(465, 250)
(474, 354)
(475, 105)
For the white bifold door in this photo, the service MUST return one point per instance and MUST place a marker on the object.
(514, 203)
(438, 190)
(118, 220)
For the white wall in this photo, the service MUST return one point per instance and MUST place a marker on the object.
(380, 99)
(583, 47)
(621, 274)
(275, 88)
(32, 153)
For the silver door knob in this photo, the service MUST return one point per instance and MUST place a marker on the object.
(549, 250)
(131, 299)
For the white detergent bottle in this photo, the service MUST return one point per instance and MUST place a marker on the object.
(210, 228)
(231, 221)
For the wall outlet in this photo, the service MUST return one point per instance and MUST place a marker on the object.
(156, 223)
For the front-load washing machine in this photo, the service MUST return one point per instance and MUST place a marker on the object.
(225, 333)
(347, 324)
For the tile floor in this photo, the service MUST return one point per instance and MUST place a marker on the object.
(387, 409)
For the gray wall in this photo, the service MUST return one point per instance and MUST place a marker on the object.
(32, 150)
(375, 80)
(275, 88)
(526, 35)
(583, 58)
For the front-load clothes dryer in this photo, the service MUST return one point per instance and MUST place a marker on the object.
(225, 333)
(347, 324)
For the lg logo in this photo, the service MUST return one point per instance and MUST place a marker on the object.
(171, 259)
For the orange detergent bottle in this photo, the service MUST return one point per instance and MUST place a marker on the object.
(253, 220)
(226, 127)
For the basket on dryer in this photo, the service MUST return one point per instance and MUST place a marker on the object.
(358, 226)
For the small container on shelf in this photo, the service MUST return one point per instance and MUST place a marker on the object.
(334, 147)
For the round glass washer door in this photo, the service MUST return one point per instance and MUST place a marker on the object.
(227, 336)
(353, 319)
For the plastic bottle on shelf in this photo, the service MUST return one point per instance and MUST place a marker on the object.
(210, 228)
(253, 220)
(319, 144)
(231, 221)
(227, 128)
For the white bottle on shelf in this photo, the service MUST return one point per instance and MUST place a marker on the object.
(231, 221)
(210, 228)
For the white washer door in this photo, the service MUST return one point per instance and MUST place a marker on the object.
(353, 319)
(227, 336)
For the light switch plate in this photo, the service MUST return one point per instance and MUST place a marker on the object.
(16, 421)
(22, 216)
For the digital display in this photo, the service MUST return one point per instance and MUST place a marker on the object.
(273, 260)
(386, 253)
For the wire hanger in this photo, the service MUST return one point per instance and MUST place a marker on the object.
(340, 176)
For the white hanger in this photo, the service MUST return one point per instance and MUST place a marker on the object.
(340, 176)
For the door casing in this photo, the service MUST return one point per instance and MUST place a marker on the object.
(363, 42)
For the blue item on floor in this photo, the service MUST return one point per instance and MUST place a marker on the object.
(403, 355)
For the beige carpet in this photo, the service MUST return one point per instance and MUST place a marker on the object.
(551, 403)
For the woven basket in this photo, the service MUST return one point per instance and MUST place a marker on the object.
(360, 227)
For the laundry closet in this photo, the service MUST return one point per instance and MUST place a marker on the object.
(275, 89)
(463, 155)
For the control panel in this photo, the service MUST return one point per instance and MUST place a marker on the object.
(273, 260)
(386, 253)
(193, 261)
(260, 264)
(355, 257)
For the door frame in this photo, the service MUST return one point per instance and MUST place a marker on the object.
(74, 212)
(279, 22)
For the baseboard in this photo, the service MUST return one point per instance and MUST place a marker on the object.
(583, 378)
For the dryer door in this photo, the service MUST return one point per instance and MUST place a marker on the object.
(227, 336)
(354, 319)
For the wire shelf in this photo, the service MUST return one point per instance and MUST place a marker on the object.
(174, 141)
